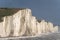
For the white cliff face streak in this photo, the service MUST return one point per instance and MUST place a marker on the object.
(28, 16)
(19, 23)
(33, 26)
(5, 26)
(22, 23)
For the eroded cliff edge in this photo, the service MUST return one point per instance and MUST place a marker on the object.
(20, 22)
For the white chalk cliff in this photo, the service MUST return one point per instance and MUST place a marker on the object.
(22, 23)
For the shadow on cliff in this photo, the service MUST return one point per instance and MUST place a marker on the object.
(7, 12)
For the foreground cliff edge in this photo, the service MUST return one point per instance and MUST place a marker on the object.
(20, 22)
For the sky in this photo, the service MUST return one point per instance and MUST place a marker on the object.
(48, 10)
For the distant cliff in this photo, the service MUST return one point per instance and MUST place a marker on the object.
(20, 22)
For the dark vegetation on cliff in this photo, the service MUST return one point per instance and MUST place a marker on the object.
(7, 12)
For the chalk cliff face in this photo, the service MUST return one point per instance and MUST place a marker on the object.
(22, 23)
